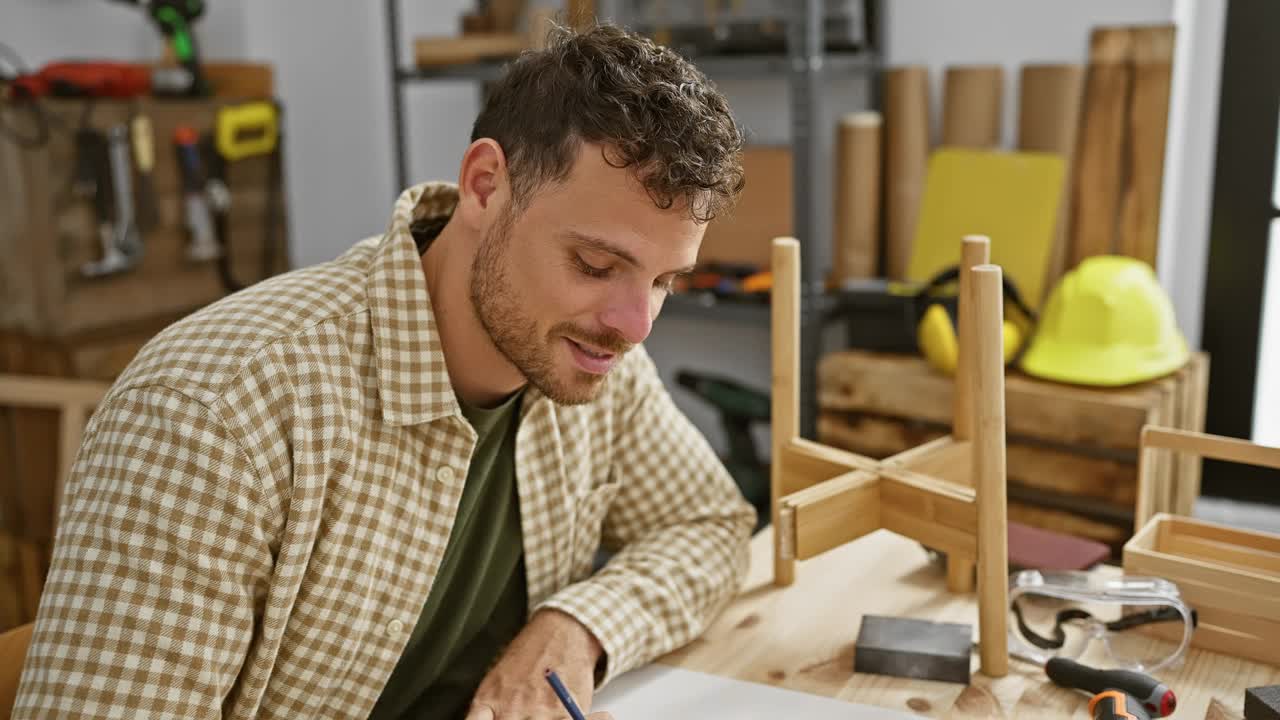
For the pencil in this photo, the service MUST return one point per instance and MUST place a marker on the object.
(563, 693)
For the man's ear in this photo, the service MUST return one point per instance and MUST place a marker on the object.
(484, 188)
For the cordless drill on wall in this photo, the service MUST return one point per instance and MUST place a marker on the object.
(175, 18)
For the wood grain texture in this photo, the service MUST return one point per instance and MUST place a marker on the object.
(906, 387)
(971, 106)
(1148, 118)
(1108, 482)
(1048, 121)
(857, 202)
(986, 296)
(1099, 177)
(785, 382)
(974, 250)
(906, 128)
(801, 638)
(1231, 576)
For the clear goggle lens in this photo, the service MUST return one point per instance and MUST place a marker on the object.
(1138, 623)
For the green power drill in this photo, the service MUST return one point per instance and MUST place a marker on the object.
(175, 18)
(739, 407)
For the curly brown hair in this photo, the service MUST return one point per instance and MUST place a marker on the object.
(648, 107)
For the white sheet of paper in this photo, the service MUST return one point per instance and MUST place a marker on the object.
(674, 694)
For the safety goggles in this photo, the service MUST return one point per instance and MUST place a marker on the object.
(1065, 613)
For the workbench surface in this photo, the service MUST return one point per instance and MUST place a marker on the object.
(801, 638)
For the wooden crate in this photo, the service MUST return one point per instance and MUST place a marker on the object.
(1231, 577)
(1072, 451)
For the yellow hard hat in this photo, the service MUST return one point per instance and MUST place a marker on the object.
(1108, 322)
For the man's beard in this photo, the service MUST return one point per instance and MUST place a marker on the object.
(515, 333)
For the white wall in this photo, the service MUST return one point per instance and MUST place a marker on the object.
(1010, 33)
(45, 30)
(332, 74)
(1190, 154)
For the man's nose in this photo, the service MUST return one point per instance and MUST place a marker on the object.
(631, 316)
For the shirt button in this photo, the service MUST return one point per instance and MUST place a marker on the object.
(444, 474)
(394, 628)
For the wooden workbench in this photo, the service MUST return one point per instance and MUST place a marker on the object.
(801, 638)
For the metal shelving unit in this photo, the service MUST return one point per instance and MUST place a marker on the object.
(804, 65)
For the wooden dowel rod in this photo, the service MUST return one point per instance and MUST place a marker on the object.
(785, 387)
(974, 250)
(989, 469)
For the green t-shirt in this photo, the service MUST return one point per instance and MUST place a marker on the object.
(478, 601)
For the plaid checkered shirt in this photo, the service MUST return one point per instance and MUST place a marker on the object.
(261, 502)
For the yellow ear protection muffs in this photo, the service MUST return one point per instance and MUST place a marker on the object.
(936, 331)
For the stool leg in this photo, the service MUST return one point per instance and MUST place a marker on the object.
(785, 388)
(960, 574)
(989, 471)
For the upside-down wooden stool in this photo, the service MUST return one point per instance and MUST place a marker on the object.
(948, 494)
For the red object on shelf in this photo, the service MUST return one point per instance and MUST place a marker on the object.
(85, 79)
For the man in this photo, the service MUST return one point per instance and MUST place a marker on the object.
(376, 487)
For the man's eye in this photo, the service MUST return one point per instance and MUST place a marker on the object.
(591, 270)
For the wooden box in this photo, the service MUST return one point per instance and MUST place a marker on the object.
(1072, 451)
(762, 212)
(1230, 577)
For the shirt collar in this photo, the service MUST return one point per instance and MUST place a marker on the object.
(413, 381)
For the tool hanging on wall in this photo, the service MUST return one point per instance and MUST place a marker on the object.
(202, 245)
(242, 132)
(175, 19)
(144, 155)
(117, 229)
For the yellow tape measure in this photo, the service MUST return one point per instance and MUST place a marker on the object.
(247, 130)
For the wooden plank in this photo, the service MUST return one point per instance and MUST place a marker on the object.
(948, 462)
(1195, 408)
(876, 436)
(430, 52)
(240, 80)
(1262, 586)
(1223, 640)
(1098, 180)
(1251, 625)
(833, 513)
(1068, 523)
(32, 391)
(1203, 529)
(928, 499)
(1148, 119)
(1048, 118)
(926, 447)
(806, 463)
(904, 386)
(1211, 446)
(971, 114)
(1112, 482)
(938, 537)
(1223, 553)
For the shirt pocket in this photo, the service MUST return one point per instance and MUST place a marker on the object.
(588, 521)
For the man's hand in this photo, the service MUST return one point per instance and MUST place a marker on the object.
(516, 688)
